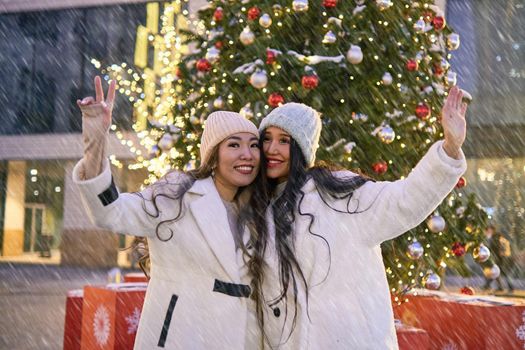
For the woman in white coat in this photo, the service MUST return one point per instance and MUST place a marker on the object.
(198, 294)
(324, 232)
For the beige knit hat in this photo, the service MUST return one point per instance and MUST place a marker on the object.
(220, 125)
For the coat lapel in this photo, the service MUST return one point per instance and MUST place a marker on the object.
(210, 214)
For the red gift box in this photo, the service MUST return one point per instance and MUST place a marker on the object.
(73, 319)
(466, 322)
(110, 315)
(412, 338)
(135, 277)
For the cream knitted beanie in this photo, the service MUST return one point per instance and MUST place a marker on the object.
(302, 122)
(218, 126)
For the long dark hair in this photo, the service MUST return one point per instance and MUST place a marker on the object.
(283, 208)
(173, 190)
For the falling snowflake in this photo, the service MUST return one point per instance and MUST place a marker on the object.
(133, 321)
(101, 325)
(520, 332)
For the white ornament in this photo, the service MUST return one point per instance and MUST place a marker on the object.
(384, 4)
(166, 142)
(349, 147)
(387, 78)
(436, 223)
(329, 38)
(453, 41)
(354, 54)
(492, 272)
(218, 103)
(452, 78)
(213, 54)
(419, 26)
(259, 79)
(246, 111)
(300, 5)
(247, 37)
(265, 20)
(101, 325)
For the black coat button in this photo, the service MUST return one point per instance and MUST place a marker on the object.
(276, 312)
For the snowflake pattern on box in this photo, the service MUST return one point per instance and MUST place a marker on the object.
(450, 346)
(101, 325)
(520, 332)
(133, 321)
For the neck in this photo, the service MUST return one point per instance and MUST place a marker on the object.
(226, 192)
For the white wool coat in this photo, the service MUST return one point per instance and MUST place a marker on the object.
(190, 302)
(349, 304)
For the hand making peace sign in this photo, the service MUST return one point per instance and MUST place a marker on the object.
(98, 107)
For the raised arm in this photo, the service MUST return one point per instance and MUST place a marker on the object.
(392, 208)
(96, 120)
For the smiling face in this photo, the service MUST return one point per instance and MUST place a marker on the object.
(238, 161)
(276, 144)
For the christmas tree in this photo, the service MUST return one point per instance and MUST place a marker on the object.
(378, 72)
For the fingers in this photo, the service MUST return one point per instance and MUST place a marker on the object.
(99, 92)
(464, 106)
(111, 93)
(85, 101)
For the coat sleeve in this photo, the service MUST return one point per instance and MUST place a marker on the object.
(385, 210)
(118, 212)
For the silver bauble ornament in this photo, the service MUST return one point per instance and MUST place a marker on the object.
(384, 4)
(329, 38)
(354, 54)
(165, 142)
(213, 54)
(246, 111)
(218, 103)
(492, 272)
(420, 25)
(453, 41)
(451, 78)
(259, 79)
(194, 120)
(300, 5)
(460, 211)
(431, 281)
(247, 37)
(386, 134)
(444, 64)
(415, 250)
(481, 253)
(387, 78)
(265, 20)
(436, 223)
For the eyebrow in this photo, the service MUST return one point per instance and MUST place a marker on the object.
(280, 134)
(240, 139)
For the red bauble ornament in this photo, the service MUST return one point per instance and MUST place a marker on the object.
(438, 22)
(203, 65)
(218, 14)
(462, 182)
(458, 249)
(270, 57)
(310, 81)
(275, 99)
(437, 69)
(412, 65)
(219, 45)
(178, 73)
(329, 3)
(380, 167)
(253, 13)
(422, 111)
(468, 290)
